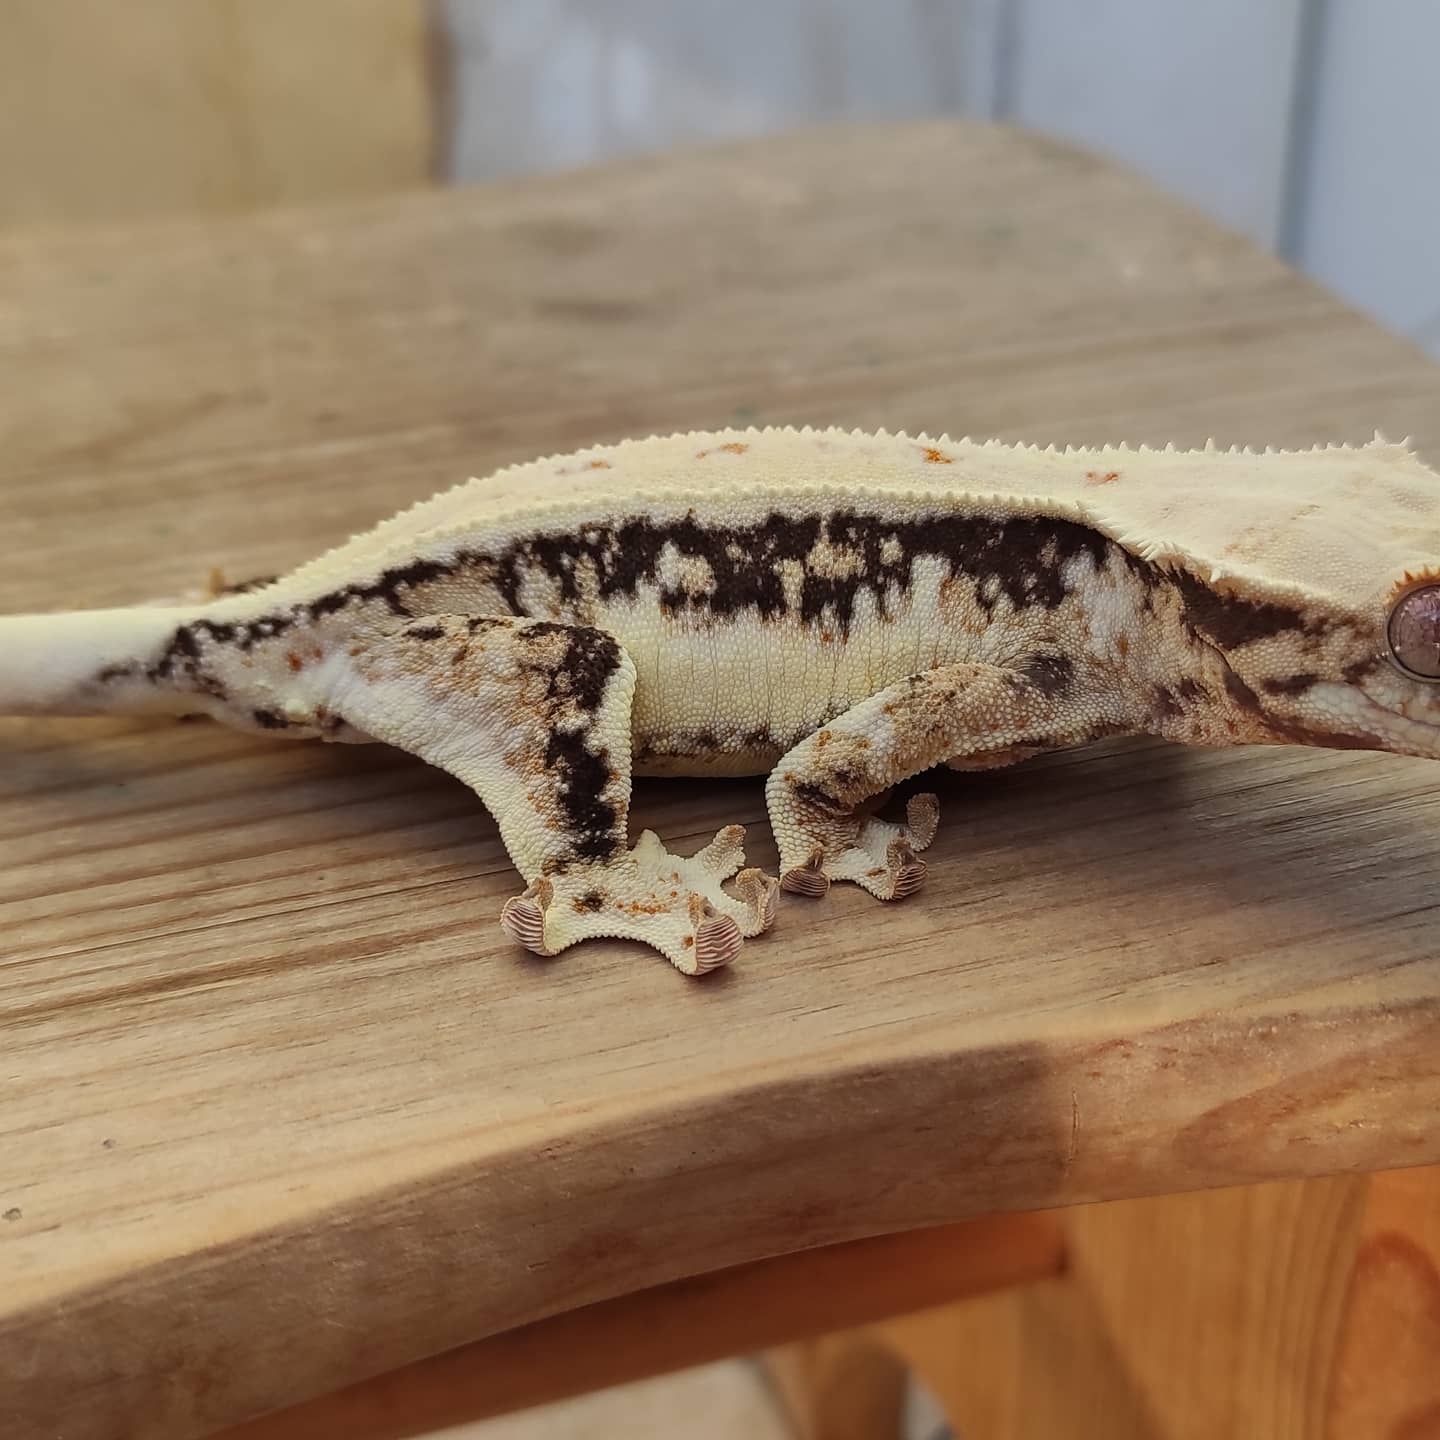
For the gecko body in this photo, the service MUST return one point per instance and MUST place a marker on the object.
(838, 611)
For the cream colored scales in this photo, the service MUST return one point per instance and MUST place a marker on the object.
(840, 609)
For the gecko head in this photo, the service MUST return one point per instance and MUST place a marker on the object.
(1363, 677)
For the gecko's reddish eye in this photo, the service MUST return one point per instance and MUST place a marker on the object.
(1414, 633)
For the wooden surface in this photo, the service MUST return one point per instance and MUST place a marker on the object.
(681, 1325)
(847, 1386)
(283, 1108)
(1297, 1310)
(1387, 1353)
(217, 106)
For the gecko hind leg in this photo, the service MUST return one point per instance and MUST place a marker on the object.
(535, 717)
(820, 792)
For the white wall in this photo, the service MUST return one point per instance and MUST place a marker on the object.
(1196, 96)
(1368, 204)
(542, 84)
(1312, 126)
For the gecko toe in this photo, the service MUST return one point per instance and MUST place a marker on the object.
(724, 855)
(893, 876)
(717, 943)
(922, 820)
(523, 918)
(759, 892)
(906, 870)
(808, 878)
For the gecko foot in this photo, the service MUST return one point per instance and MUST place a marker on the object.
(674, 903)
(881, 857)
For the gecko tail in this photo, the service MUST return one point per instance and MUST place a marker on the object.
(88, 662)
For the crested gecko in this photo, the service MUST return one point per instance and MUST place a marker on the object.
(837, 610)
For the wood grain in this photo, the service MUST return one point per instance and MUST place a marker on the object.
(1298, 1310)
(1386, 1381)
(176, 107)
(848, 1386)
(687, 1323)
(283, 1108)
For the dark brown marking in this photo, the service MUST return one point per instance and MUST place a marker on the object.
(392, 586)
(1291, 684)
(816, 795)
(1051, 675)
(693, 743)
(582, 775)
(1241, 694)
(1167, 703)
(591, 901)
(1324, 739)
(1357, 670)
(424, 632)
(1021, 559)
(591, 657)
(1230, 621)
(183, 657)
(270, 720)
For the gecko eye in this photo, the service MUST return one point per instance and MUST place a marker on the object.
(1413, 633)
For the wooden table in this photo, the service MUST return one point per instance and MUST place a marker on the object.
(284, 1109)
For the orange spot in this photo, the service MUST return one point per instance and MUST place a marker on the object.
(823, 738)
(293, 660)
(688, 941)
(1098, 477)
(934, 456)
(734, 447)
(598, 465)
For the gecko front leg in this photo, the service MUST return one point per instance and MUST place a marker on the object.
(535, 717)
(970, 716)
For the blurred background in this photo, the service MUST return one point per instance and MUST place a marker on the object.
(1313, 126)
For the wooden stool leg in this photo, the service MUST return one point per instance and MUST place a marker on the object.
(841, 1387)
(1293, 1311)
(1386, 1383)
